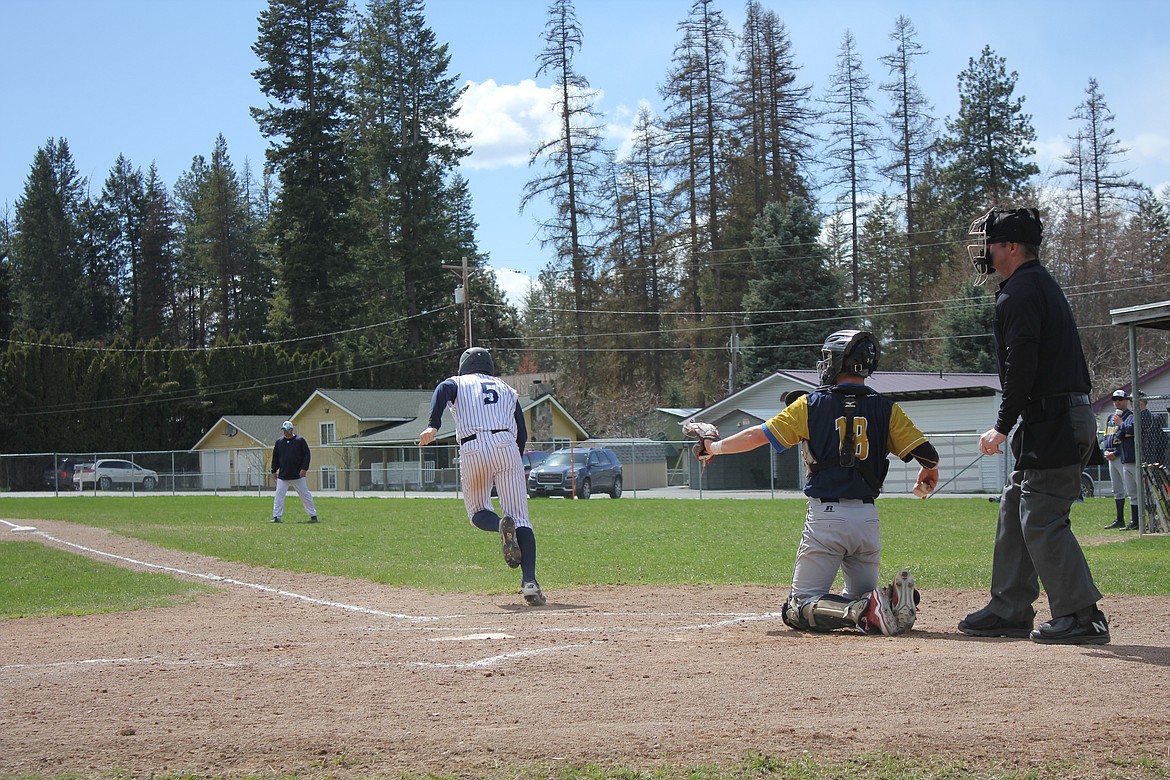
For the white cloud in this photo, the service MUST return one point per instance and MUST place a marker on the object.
(506, 121)
(514, 284)
(1050, 154)
(1149, 147)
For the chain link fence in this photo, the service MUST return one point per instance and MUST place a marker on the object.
(649, 468)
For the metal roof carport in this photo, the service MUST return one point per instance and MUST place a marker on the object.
(1147, 315)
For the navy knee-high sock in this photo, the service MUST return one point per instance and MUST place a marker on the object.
(527, 541)
(486, 520)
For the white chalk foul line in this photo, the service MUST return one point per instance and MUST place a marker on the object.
(240, 583)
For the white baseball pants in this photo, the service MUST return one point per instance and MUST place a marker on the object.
(493, 459)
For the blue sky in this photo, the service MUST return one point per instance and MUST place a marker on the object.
(157, 80)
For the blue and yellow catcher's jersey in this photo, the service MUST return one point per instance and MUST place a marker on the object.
(880, 428)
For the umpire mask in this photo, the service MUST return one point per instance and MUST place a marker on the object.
(1019, 226)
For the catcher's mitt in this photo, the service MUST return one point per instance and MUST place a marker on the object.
(704, 432)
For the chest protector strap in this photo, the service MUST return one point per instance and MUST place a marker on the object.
(846, 457)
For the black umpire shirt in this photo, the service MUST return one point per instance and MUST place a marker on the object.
(1036, 343)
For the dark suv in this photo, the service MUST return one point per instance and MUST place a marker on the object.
(580, 471)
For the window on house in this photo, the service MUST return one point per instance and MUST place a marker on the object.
(328, 433)
(328, 478)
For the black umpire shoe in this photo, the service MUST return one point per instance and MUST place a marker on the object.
(1119, 523)
(984, 622)
(1068, 630)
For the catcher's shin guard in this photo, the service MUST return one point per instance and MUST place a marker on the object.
(823, 613)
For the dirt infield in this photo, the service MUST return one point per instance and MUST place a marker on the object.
(278, 673)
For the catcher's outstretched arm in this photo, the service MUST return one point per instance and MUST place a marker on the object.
(746, 440)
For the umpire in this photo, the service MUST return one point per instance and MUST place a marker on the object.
(1046, 386)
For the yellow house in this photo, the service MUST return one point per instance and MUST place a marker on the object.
(236, 452)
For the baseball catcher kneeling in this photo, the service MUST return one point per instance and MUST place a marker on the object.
(848, 431)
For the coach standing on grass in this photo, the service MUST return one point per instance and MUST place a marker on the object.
(290, 464)
(1046, 386)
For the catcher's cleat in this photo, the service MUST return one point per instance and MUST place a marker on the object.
(878, 618)
(508, 541)
(533, 594)
(984, 622)
(904, 601)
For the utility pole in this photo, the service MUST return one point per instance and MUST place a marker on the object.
(463, 295)
(733, 366)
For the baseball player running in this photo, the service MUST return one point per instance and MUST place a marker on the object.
(491, 432)
(849, 430)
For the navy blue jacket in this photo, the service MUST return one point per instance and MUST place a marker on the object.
(289, 457)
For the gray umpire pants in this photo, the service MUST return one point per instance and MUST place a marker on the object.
(1034, 542)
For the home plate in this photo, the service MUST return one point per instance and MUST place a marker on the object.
(472, 637)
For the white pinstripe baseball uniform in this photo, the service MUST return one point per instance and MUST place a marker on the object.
(488, 426)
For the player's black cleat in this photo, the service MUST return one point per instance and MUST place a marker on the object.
(508, 543)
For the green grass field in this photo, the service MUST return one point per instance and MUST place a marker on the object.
(427, 543)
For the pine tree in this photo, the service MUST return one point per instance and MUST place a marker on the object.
(772, 129)
(699, 98)
(411, 205)
(154, 279)
(1092, 163)
(797, 299)
(300, 44)
(118, 213)
(912, 133)
(966, 327)
(223, 282)
(852, 141)
(48, 267)
(574, 160)
(987, 148)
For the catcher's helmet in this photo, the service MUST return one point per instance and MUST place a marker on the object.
(1020, 226)
(477, 360)
(851, 351)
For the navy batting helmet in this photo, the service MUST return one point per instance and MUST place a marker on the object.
(477, 360)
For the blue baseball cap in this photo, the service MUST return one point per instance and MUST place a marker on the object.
(287, 425)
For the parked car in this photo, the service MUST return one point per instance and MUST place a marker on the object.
(111, 472)
(580, 471)
(1087, 485)
(60, 476)
(532, 458)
